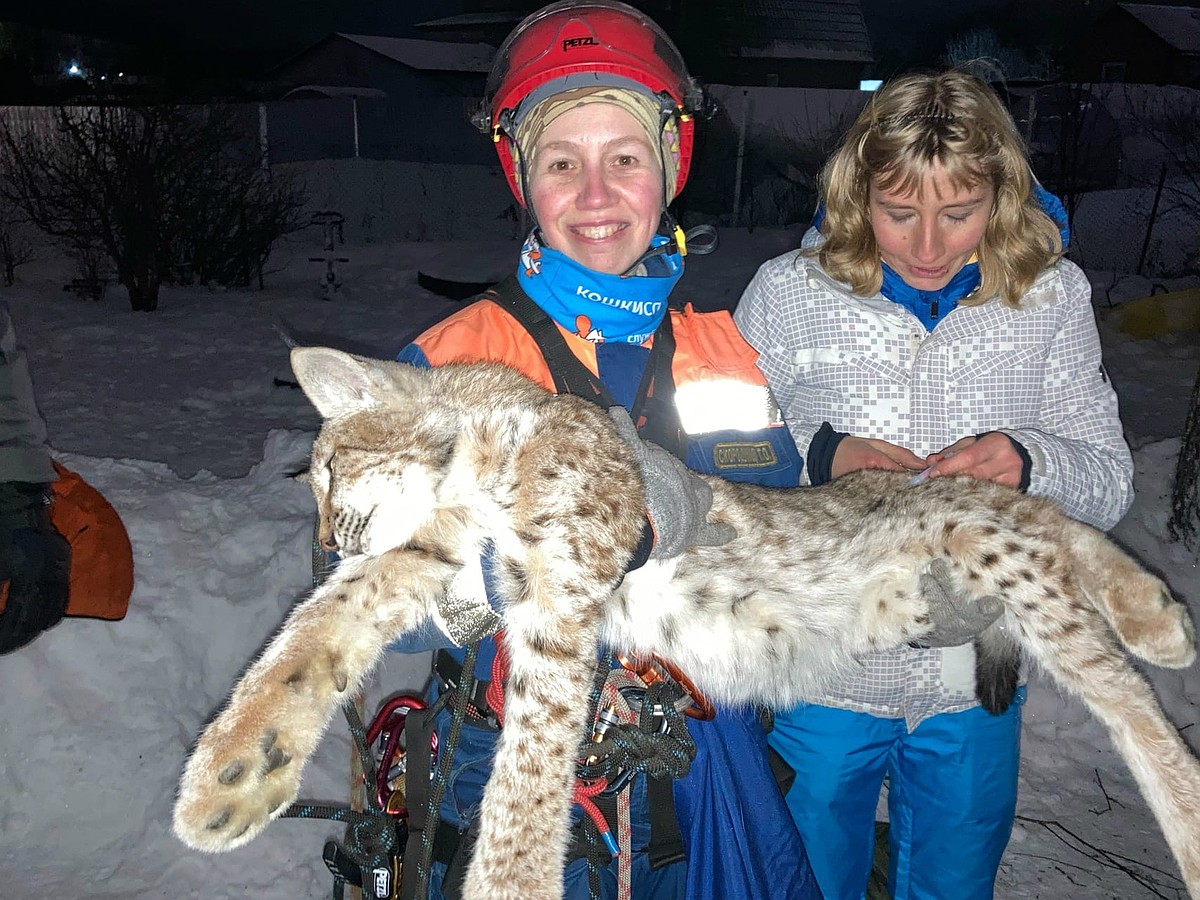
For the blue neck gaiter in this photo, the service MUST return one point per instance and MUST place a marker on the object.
(930, 306)
(594, 305)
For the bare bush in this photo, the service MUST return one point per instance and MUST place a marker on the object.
(981, 51)
(1169, 119)
(1074, 141)
(783, 164)
(168, 193)
(231, 209)
(16, 248)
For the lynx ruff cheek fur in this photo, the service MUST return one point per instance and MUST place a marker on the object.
(415, 468)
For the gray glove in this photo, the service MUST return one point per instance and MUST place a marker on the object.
(464, 613)
(957, 618)
(677, 500)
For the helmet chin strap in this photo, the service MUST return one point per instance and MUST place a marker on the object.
(699, 240)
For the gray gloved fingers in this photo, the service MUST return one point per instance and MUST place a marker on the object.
(463, 613)
(936, 591)
(677, 499)
(956, 616)
(991, 605)
(701, 489)
(625, 427)
(714, 534)
(939, 570)
(938, 577)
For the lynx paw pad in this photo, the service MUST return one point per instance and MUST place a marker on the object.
(229, 794)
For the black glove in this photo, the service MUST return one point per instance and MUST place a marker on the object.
(957, 618)
(677, 499)
(35, 564)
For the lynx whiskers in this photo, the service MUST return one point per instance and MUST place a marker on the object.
(415, 468)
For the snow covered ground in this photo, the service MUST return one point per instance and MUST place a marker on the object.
(175, 416)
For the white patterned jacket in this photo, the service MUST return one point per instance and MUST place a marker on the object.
(868, 367)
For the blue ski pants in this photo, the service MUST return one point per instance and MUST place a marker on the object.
(951, 800)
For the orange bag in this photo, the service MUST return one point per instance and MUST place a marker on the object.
(101, 555)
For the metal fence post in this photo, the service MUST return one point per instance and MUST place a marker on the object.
(264, 150)
(741, 153)
(354, 101)
(1162, 177)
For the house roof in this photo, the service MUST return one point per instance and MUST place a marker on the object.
(334, 90)
(798, 29)
(473, 19)
(429, 56)
(1178, 26)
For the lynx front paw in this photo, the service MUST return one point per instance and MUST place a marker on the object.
(236, 781)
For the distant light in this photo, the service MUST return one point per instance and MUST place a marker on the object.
(871, 84)
(120, 74)
(73, 69)
(104, 78)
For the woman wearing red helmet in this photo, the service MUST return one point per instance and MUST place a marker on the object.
(590, 108)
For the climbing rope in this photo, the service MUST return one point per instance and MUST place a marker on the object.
(642, 731)
(441, 776)
(370, 838)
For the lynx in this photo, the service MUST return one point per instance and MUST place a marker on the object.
(414, 469)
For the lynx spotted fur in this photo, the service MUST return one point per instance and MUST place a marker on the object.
(416, 468)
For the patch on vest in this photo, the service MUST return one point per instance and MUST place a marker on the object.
(744, 455)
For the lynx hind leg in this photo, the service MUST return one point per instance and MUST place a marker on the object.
(1150, 622)
(246, 766)
(1070, 640)
(526, 808)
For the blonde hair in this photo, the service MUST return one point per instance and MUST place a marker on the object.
(955, 120)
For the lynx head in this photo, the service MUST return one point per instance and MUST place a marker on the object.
(381, 453)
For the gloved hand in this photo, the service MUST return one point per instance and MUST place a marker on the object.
(957, 618)
(677, 500)
(464, 614)
(35, 565)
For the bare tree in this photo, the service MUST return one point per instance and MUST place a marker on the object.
(1169, 118)
(16, 248)
(1184, 523)
(92, 182)
(166, 192)
(1074, 142)
(980, 51)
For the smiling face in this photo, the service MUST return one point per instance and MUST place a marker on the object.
(596, 185)
(929, 234)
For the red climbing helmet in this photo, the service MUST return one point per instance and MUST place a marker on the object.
(578, 43)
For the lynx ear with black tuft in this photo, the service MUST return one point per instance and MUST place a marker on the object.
(335, 382)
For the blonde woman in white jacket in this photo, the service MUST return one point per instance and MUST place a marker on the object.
(930, 325)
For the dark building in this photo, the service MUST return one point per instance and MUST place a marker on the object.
(1141, 43)
(389, 98)
(783, 43)
(774, 43)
